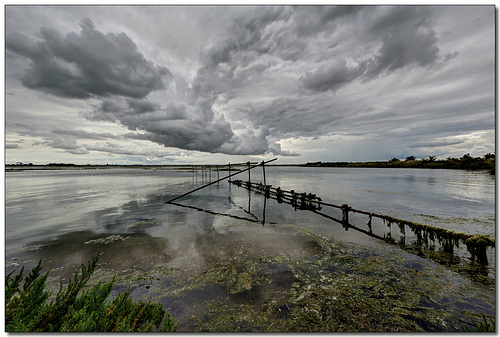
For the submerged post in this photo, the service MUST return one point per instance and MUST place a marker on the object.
(229, 172)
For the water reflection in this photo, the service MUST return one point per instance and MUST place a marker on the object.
(158, 247)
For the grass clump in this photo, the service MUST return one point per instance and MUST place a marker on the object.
(28, 309)
(486, 325)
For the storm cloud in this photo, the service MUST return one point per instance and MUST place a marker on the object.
(253, 80)
(87, 64)
(406, 39)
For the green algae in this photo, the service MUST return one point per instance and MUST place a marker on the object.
(476, 244)
(340, 287)
(364, 294)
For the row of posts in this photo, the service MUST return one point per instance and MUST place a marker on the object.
(308, 201)
(204, 169)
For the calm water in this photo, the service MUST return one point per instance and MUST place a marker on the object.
(64, 216)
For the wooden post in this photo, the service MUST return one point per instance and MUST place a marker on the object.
(279, 195)
(218, 172)
(229, 172)
(264, 172)
(345, 213)
(248, 164)
(264, 211)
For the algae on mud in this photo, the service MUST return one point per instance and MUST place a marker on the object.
(339, 288)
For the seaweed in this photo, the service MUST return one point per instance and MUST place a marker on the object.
(476, 244)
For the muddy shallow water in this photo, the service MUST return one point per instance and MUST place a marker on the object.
(226, 259)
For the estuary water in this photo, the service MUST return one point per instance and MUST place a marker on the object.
(65, 216)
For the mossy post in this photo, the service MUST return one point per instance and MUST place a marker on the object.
(476, 245)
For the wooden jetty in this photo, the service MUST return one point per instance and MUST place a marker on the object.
(263, 163)
(476, 244)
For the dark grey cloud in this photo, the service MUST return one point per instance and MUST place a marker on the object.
(436, 143)
(82, 134)
(11, 146)
(182, 126)
(331, 78)
(110, 67)
(406, 37)
(85, 64)
(68, 144)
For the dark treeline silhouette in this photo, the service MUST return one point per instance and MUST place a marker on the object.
(466, 162)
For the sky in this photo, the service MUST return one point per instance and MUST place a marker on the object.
(217, 84)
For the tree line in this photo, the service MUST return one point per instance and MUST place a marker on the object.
(466, 162)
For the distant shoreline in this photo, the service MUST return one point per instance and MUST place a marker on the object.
(468, 163)
(472, 164)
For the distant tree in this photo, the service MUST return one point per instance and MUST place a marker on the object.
(394, 160)
(432, 158)
(465, 157)
(489, 156)
(410, 158)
